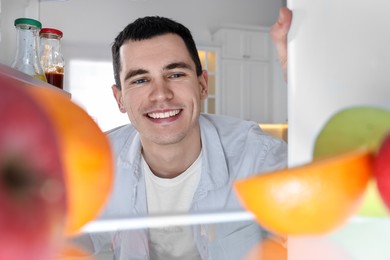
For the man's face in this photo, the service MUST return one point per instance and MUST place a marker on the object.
(161, 92)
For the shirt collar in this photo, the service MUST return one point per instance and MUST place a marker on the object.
(214, 166)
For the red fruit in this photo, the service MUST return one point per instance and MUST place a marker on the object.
(382, 170)
(32, 197)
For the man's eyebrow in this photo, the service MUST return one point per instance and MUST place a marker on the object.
(133, 73)
(175, 65)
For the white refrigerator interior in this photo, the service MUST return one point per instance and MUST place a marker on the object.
(338, 57)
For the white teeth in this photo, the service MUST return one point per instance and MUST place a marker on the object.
(165, 114)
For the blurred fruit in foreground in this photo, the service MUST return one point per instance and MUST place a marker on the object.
(372, 205)
(350, 129)
(268, 249)
(32, 191)
(317, 248)
(70, 251)
(382, 170)
(310, 199)
(86, 155)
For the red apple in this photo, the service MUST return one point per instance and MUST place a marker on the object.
(382, 170)
(32, 192)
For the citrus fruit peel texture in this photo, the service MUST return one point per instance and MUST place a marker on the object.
(86, 156)
(309, 199)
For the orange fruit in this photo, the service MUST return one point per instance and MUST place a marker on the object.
(309, 199)
(86, 156)
(70, 251)
(268, 249)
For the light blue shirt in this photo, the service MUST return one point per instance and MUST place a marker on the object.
(231, 149)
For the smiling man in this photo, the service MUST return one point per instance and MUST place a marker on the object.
(172, 158)
(161, 91)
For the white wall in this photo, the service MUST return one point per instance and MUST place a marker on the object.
(99, 21)
(90, 26)
(9, 11)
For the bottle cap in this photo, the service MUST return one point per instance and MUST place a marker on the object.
(28, 21)
(51, 30)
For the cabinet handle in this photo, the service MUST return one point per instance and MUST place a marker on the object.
(245, 56)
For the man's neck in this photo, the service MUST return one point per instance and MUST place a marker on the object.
(169, 161)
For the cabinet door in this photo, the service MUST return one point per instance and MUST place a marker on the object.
(256, 45)
(256, 80)
(232, 91)
(238, 44)
(244, 90)
(234, 44)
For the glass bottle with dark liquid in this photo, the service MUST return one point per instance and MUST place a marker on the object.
(56, 77)
(51, 56)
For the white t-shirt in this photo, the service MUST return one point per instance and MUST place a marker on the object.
(166, 196)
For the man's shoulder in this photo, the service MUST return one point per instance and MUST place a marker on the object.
(119, 135)
(227, 126)
(235, 134)
(120, 131)
(226, 122)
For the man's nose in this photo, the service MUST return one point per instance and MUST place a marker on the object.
(160, 90)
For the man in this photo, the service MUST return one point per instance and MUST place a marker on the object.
(172, 158)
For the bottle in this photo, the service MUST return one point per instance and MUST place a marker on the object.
(27, 44)
(51, 57)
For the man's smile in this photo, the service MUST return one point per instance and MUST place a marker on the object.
(166, 114)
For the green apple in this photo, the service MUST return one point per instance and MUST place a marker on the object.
(354, 128)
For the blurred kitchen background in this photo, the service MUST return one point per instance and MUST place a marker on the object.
(232, 37)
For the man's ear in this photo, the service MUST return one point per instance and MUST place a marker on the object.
(203, 84)
(118, 97)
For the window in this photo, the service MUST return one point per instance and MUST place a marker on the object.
(90, 84)
(209, 58)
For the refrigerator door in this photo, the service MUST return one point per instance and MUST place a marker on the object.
(338, 57)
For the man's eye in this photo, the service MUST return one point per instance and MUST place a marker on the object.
(138, 81)
(176, 75)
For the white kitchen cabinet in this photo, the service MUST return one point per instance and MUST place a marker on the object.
(244, 44)
(247, 78)
(245, 91)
